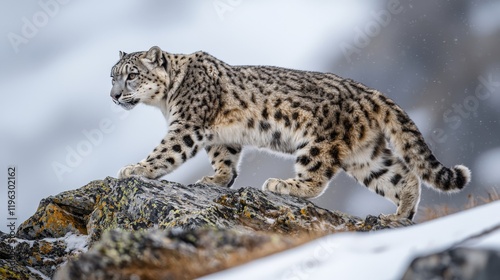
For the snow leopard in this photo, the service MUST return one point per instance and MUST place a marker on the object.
(328, 123)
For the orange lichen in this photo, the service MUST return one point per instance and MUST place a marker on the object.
(303, 211)
(57, 220)
(46, 247)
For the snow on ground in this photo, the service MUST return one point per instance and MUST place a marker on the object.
(74, 242)
(37, 272)
(384, 254)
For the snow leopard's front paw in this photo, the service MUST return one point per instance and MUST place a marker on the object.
(132, 170)
(276, 186)
(209, 180)
(218, 180)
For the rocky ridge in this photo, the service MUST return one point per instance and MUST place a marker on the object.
(118, 229)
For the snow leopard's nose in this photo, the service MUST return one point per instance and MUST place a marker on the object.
(115, 94)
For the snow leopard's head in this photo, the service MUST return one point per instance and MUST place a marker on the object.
(139, 77)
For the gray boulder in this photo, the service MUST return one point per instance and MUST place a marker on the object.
(457, 263)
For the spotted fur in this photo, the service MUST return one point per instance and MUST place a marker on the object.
(327, 122)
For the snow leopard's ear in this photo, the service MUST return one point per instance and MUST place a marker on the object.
(153, 58)
(122, 54)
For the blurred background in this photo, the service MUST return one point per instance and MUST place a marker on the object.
(439, 60)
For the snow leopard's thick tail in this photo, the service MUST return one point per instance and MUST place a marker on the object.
(410, 145)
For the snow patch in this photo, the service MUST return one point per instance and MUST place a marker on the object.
(383, 254)
(270, 221)
(37, 272)
(18, 241)
(76, 242)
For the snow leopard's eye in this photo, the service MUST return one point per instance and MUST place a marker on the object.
(132, 76)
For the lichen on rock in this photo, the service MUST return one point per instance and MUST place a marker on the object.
(63, 213)
(133, 204)
(173, 254)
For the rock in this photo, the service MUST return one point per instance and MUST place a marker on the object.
(10, 269)
(458, 263)
(161, 229)
(37, 258)
(5, 249)
(174, 254)
(63, 213)
(133, 204)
